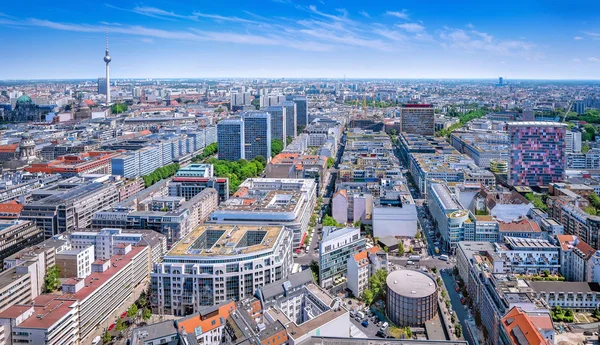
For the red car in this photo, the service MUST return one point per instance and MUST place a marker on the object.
(124, 315)
(463, 301)
(456, 288)
(111, 327)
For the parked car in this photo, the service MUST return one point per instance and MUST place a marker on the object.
(410, 262)
(384, 326)
(365, 323)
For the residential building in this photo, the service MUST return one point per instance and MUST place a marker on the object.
(299, 166)
(517, 328)
(537, 153)
(418, 119)
(93, 162)
(75, 263)
(529, 256)
(336, 247)
(361, 266)
(84, 303)
(578, 260)
(569, 295)
(395, 221)
(188, 187)
(231, 140)
(216, 263)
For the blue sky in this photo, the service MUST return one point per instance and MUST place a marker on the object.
(541, 39)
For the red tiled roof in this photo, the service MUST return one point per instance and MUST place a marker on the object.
(525, 225)
(516, 319)
(9, 148)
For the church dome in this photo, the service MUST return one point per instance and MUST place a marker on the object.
(24, 99)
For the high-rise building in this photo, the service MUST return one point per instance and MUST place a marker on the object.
(537, 153)
(500, 81)
(418, 119)
(240, 99)
(102, 86)
(278, 122)
(337, 246)
(579, 107)
(291, 125)
(301, 109)
(257, 134)
(230, 138)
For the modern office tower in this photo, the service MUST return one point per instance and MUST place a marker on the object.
(337, 246)
(70, 209)
(278, 122)
(537, 153)
(290, 119)
(301, 110)
(418, 119)
(240, 99)
(500, 81)
(257, 135)
(16, 235)
(217, 263)
(102, 86)
(230, 138)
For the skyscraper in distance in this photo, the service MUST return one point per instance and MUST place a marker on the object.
(230, 139)
(537, 153)
(102, 86)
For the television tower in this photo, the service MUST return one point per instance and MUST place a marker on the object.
(107, 60)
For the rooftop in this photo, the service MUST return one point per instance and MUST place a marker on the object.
(574, 287)
(412, 284)
(218, 240)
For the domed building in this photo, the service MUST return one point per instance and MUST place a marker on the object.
(25, 111)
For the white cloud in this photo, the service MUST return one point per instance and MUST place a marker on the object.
(470, 26)
(577, 38)
(147, 40)
(594, 59)
(411, 27)
(593, 35)
(224, 18)
(576, 60)
(402, 14)
(342, 18)
(364, 14)
(480, 41)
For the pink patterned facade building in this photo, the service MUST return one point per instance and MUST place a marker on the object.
(537, 153)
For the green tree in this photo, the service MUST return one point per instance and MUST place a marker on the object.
(106, 338)
(51, 280)
(288, 140)
(329, 221)
(377, 284)
(276, 147)
(458, 330)
(585, 148)
(314, 267)
(256, 103)
(120, 325)
(146, 314)
(537, 201)
(119, 108)
(330, 162)
(401, 248)
(132, 311)
(367, 297)
(261, 160)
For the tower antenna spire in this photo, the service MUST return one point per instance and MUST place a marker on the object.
(107, 38)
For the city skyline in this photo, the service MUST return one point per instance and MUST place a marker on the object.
(302, 39)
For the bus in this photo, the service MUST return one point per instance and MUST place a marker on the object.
(444, 257)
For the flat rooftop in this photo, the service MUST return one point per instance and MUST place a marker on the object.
(409, 283)
(549, 286)
(218, 240)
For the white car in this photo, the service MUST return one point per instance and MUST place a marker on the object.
(410, 262)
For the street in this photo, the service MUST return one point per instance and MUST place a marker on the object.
(461, 311)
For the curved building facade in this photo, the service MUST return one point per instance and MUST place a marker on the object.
(411, 298)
